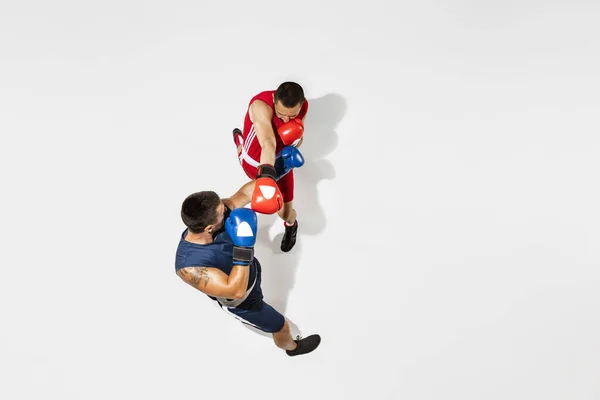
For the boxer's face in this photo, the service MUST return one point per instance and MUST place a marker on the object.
(220, 219)
(286, 114)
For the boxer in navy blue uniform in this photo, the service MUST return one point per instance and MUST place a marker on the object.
(216, 256)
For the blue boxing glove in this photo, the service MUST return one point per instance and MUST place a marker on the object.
(241, 225)
(290, 157)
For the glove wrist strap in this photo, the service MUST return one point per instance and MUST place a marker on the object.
(266, 170)
(243, 255)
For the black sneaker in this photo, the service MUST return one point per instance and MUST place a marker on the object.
(305, 345)
(289, 237)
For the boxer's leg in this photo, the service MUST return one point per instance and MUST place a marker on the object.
(287, 212)
(261, 315)
(264, 317)
(283, 338)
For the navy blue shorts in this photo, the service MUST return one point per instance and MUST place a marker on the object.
(261, 316)
(255, 312)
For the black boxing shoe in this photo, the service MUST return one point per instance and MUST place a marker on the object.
(305, 345)
(289, 237)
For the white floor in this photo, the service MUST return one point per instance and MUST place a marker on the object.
(448, 208)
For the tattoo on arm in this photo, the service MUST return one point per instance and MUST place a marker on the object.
(199, 274)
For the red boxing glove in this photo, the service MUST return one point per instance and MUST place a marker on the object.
(291, 132)
(266, 197)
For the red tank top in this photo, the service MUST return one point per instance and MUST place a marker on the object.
(251, 148)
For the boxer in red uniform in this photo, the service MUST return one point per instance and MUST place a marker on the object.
(273, 130)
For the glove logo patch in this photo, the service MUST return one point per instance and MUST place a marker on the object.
(244, 230)
(267, 191)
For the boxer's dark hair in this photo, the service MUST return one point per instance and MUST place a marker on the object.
(289, 94)
(200, 210)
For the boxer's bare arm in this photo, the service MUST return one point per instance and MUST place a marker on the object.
(261, 116)
(240, 198)
(216, 283)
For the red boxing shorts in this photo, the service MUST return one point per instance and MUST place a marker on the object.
(285, 184)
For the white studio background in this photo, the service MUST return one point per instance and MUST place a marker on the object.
(448, 209)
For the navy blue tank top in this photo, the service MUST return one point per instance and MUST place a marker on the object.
(218, 254)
